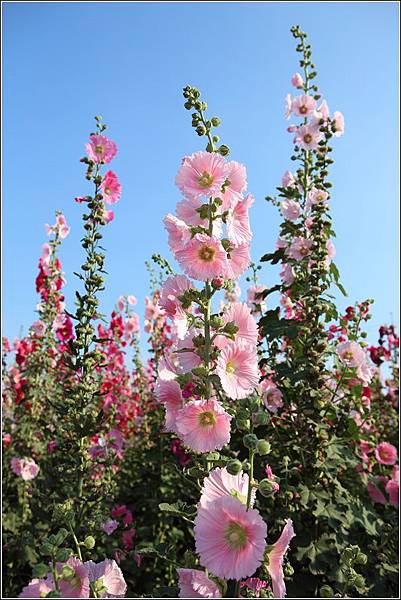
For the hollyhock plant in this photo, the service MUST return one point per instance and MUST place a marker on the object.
(195, 584)
(203, 425)
(237, 369)
(219, 484)
(230, 539)
(276, 558)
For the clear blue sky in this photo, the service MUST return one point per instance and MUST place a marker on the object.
(66, 62)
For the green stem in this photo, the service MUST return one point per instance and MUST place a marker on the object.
(249, 496)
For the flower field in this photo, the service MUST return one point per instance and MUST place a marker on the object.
(251, 451)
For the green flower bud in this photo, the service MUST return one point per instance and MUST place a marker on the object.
(234, 467)
(46, 548)
(243, 424)
(89, 542)
(215, 121)
(326, 592)
(67, 572)
(63, 554)
(261, 418)
(359, 581)
(263, 447)
(223, 150)
(250, 441)
(267, 487)
(213, 456)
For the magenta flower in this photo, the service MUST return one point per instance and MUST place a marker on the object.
(111, 188)
(276, 557)
(25, 468)
(100, 149)
(304, 105)
(220, 484)
(254, 584)
(195, 584)
(238, 228)
(386, 454)
(392, 487)
(230, 539)
(203, 257)
(169, 394)
(201, 174)
(203, 425)
(237, 368)
(110, 575)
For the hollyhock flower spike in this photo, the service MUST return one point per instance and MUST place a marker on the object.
(230, 539)
(276, 558)
(100, 149)
(203, 425)
(195, 584)
(201, 174)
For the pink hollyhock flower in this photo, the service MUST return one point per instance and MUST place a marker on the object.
(272, 396)
(351, 354)
(276, 557)
(195, 584)
(119, 511)
(77, 585)
(232, 293)
(132, 300)
(237, 368)
(110, 526)
(238, 262)
(25, 468)
(121, 303)
(187, 212)
(297, 80)
(187, 360)
(364, 372)
(287, 106)
(219, 484)
(254, 299)
(339, 124)
(62, 227)
(392, 487)
(304, 105)
(108, 215)
(238, 228)
(203, 425)
(39, 328)
(386, 454)
(324, 111)
(230, 539)
(234, 185)
(131, 326)
(201, 174)
(127, 538)
(110, 575)
(152, 310)
(254, 584)
(111, 188)
(331, 252)
(288, 179)
(287, 274)
(239, 314)
(172, 288)
(100, 149)
(374, 492)
(281, 243)
(316, 196)
(290, 209)
(203, 257)
(307, 137)
(169, 393)
(300, 248)
(38, 588)
(179, 233)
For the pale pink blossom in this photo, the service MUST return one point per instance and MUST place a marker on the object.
(121, 303)
(238, 227)
(39, 328)
(38, 588)
(237, 368)
(232, 293)
(110, 574)
(77, 585)
(351, 354)
(187, 211)
(281, 243)
(364, 371)
(297, 80)
(288, 179)
(272, 396)
(179, 233)
(386, 454)
(203, 425)
(169, 394)
(234, 185)
(304, 105)
(254, 299)
(230, 539)
(290, 209)
(239, 314)
(287, 106)
(101, 149)
(201, 174)
(276, 558)
(219, 483)
(287, 274)
(339, 123)
(195, 584)
(316, 196)
(110, 526)
(238, 262)
(169, 301)
(187, 360)
(131, 326)
(152, 310)
(307, 137)
(25, 468)
(300, 248)
(203, 257)
(111, 188)
(331, 252)
(132, 300)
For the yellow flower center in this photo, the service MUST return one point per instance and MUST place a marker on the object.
(205, 180)
(206, 419)
(348, 355)
(304, 250)
(206, 253)
(236, 536)
(307, 138)
(99, 149)
(230, 367)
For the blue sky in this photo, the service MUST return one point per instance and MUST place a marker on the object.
(66, 62)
